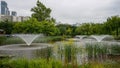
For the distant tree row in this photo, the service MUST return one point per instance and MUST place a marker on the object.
(111, 27)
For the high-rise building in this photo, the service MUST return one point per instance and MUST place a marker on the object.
(5, 14)
(4, 10)
(13, 13)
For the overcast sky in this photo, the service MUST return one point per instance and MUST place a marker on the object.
(71, 11)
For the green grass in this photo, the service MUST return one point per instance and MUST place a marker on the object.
(52, 63)
(34, 63)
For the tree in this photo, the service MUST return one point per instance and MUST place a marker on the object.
(41, 12)
(7, 26)
(113, 23)
(29, 26)
(33, 26)
(48, 28)
(65, 29)
(96, 28)
(83, 29)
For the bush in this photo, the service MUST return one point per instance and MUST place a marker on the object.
(56, 38)
(48, 39)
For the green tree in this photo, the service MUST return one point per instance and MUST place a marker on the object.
(29, 26)
(33, 26)
(48, 28)
(41, 12)
(113, 23)
(7, 26)
(65, 29)
(96, 28)
(83, 29)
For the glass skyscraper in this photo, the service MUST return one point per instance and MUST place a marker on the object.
(4, 10)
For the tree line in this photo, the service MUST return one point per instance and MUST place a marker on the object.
(111, 27)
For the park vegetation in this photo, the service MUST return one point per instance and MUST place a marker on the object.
(41, 22)
(33, 26)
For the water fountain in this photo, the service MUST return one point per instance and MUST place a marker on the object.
(28, 38)
(80, 36)
(28, 50)
(99, 38)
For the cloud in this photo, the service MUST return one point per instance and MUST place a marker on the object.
(114, 9)
(71, 11)
(79, 10)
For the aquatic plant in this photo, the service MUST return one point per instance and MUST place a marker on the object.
(68, 53)
(97, 51)
(115, 49)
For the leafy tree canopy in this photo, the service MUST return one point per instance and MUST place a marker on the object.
(29, 26)
(113, 23)
(41, 12)
(7, 26)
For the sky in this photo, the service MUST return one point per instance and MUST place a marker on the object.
(71, 11)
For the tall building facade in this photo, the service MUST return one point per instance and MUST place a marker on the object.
(5, 14)
(4, 8)
(13, 13)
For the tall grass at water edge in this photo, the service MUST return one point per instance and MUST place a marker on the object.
(115, 49)
(97, 51)
(43, 63)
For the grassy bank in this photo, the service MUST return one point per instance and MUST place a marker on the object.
(43, 63)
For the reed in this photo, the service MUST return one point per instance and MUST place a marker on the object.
(115, 49)
(97, 51)
(68, 53)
